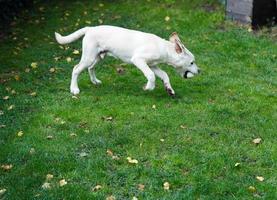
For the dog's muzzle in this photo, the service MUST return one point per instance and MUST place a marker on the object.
(186, 74)
(189, 74)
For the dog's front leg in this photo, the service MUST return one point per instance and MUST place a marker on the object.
(148, 73)
(163, 75)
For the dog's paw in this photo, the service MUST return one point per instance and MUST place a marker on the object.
(149, 86)
(170, 91)
(96, 82)
(74, 91)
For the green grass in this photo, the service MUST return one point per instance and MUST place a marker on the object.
(223, 110)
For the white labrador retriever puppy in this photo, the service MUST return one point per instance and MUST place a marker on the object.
(144, 50)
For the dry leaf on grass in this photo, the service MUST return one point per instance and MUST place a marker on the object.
(2, 191)
(33, 94)
(141, 187)
(49, 177)
(46, 186)
(73, 134)
(76, 52)
(96, 188)
(10, 107)
(68, 59)
(109, 118)
(132, 161)
(7, 167)
(166, 185)
(49, 137)
(17, 77)
(167, 18)
(120, 70)
(111, 198)
(257, 140)
(260, 178)
(34, 65)
(162, 140)
(62, 182)
(83, 154)
(251, 189)
(183, 126)
(52, 69)
(6, 97)
(154, 106)
(32, 151)
(20, 134)
(134, 198)
(100, 21)
(237, 164)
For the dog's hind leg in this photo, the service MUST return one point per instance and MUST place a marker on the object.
(164, 77)
(89, 57)
(91, 71)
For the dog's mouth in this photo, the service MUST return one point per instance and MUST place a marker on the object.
(188, 74)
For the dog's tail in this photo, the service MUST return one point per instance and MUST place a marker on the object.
(72, 37)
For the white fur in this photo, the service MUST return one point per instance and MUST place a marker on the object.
(144, 50)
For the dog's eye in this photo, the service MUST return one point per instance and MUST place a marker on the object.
(191, 63)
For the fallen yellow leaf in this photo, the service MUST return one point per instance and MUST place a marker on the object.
(68, 59)
(62, 182)
(109, 152)
(257, 140)
(34, 65)
(132, 161)
(237, 164)
(52, 70)
(33, 94)
(97, 187)
(46, 186)
(20, 134)
(166, 185)
(49, 177)
(260, 178)
(110, 197)
(2, 191)
(49, 137)
(141, 187)
(76, 52)
(32, 151)
(10, 107)
(17, 77)
(167, 18)
(252, 189)
(7, 167)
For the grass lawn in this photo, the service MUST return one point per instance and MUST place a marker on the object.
(200, 142)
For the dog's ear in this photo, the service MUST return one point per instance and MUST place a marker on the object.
(174, 38)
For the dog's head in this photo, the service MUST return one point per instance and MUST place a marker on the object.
(182, 59)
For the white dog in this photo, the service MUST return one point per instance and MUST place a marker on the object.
(144, 50)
